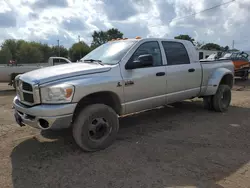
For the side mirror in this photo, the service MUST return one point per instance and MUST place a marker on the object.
(142, 61)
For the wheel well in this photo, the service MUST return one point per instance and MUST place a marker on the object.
(227, 80)
(106, 97)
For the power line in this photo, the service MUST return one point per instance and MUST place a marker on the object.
(58, 46)
(216, 6)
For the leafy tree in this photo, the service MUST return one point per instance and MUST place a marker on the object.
(234, 50)
(5, 55)
(226, 48)
(46, 51)
(18, 44)
(198, 44)
(78, 50)
(29, 53)
(64, 52)
(185, 37)
(113, 34)
(101, 37)
(11, 44)
(211, 46)
(35, 52)
(55, 51)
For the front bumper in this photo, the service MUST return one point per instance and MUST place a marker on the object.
(44, 116)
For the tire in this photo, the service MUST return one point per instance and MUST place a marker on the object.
(222, 98)
(91, 122)
(246, 75)
(208, 103)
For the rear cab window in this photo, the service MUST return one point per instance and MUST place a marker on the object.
(59, 61)
(176, 53)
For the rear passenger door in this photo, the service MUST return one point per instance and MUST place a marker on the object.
(183, 76)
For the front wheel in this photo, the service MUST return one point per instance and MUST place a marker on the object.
(222, 98)
(95, 127)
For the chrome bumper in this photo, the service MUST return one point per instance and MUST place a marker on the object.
(44, 116)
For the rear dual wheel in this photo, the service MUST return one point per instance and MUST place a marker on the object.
(208, 103)
(220, 101)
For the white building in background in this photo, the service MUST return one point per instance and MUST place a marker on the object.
(203, 54)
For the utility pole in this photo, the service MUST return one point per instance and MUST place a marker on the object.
(58, 48)
(233, 45)
(79, 39)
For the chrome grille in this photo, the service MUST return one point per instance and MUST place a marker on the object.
(27, 87)
(27, 93)
(27, 97)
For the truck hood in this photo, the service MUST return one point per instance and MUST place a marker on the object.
(48, 74)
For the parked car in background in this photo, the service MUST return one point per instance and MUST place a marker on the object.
(241, 63)
(10, 71)
(239, 59)
(120, 77)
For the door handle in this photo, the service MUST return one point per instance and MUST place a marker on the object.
(191, 70)
(129, 82)
(160, 73)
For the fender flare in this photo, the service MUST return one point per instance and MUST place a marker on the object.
(219, 76)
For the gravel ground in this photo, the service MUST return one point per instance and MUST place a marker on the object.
(176, 146)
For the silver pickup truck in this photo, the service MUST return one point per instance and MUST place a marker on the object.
(120, 77)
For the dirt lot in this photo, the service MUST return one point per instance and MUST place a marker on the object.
(179, 146)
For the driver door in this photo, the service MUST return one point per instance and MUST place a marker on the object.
(145, 87)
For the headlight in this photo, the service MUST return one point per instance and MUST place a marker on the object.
(62, 93)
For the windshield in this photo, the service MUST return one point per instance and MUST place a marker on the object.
(110, 52)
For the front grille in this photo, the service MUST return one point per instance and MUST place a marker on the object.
(27, 87)
(25, 92)
(27, 97)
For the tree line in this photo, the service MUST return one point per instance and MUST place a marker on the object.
(25, 52)
(203, 46)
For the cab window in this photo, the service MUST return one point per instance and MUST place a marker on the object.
(176, 53)
(151, 48)
(59, 61)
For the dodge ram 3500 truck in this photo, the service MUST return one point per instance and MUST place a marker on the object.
(120, 77)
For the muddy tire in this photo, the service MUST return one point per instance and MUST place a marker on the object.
(95, 128)
(208, 103)
(222, 98)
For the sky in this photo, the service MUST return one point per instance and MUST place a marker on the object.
(47, 21)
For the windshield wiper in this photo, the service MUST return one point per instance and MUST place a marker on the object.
(94, 60)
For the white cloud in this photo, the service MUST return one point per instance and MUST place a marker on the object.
(49, 20)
